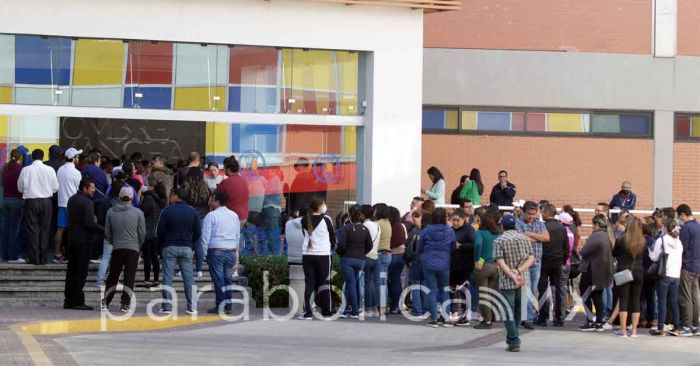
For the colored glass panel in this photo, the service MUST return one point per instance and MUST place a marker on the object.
(517, 121)
(148, 97)
(98, 62)
(200, 99)
(605, 123)
(253, 65)
(262, 139)
(451, 119)
(34, 129)
(493, 121)
(695, 127)
(348, 105)
(468, 120)
(149, 63)
(682, 126)
(565, 122)
(348, 71)
(7, 59)
(42, 60)
(217, 138)
(433, 119)
(4, 128)
(634, 124)
(197, 65)
(350, 140)
(536, 122)
(313, 139)
(5, 94)
(41, 96)
(97, 97)
(252, 99)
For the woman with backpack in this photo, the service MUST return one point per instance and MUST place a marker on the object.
(154, 200)
(199, 193)
(354, 243)
(670, 249)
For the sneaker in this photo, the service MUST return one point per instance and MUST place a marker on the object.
(344, 316)
(164, 311)
(395, 312)
(59, 259)
(432, 324)
(685, 332)
(513, 349)
(527, 325)
(557, 323)
(599, 327)
(178, 274)
(103, 306)
(632, 335)
(200, 274)
(656, 332)
(191, 311)
(619, 333)
(352, 316)
(305, 317)
(462, 322)
(120, 287)
(441, 321)
(95, 261)
(588, 327)
(673, 332)
(696, 331)
(18, 261)
(483, 325)
(607, 326)
(125, 308)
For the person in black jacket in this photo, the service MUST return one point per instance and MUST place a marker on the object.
(503, 192)
(461, 262)
(454, 198)
(354, 243)
(153, 203)
(82, 227)
(554, 255)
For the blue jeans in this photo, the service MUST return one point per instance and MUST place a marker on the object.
(513, 299)
(221, 271)
(395, 269)
(104, 263)
(474, 293)
(352, 267)
(12, 241)
(534, 281)
(183, 257)
(199, 256)
(415, 276)
(608, 301)
(371, 274)
(384, 262)
(667, 288)
(436, 281)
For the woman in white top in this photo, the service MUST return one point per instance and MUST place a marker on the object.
(213, 178)
(437, 192)
(319, 238)
(668, 284)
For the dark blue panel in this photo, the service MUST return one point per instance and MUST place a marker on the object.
(152, 98)
(234, 99)
(236, 138)
(252, 99)
(39, 60)
(635, 124)
(433, 119)
(493, 121)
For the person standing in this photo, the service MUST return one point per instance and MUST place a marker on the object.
(236, 189)
(353, 245)
(628, 252)
(193, 161)
(454, 198)
(213, 178)
(82, 229)
(486, 270)
(536, 233)
(436, 243)
(461, 265)
(93, 170)
(397, 245)
(554, 255)
(503, 192)
(415, 269)
(437, 192)
(624, 199)
(667, 286)
(221, 233)
(162, 174)
(690, 269)
(13, 209)
(179, 229)
(596, 272)
(473, 189)
(198, 194)
(381, 213)
(68, 180)
(370, 288)
(514, 256)
(154, 201)
(38, 183)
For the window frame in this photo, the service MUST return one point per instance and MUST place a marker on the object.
(675, 124)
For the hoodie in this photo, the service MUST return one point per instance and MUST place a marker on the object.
(435, 245)
(151, 205)
(27, 161)
(125, 227)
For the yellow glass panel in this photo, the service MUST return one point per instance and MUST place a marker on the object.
(217, 137)
(564, 122)
(313, 70)
(4, 126)
(348, 63)
(695, 127)
(348, 105)
(98, 62)
(349, 141)
(6, 94)
(468, 120)
(287, 57)
(200, 98)
(451, 120)
(323, 104)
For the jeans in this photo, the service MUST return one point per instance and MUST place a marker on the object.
(474, 292)
(221, 270)
(183, 257)
(513, 299)
(550, 275)
(649, 299)
(668, 287)
(395, 269)
(371, 283)
(12, 241)
(104, 263)
(352, 267)
(436, 281)
(608, 300)
(534, 281)
(415, 276)
(383, 264)
(199, 256)
(690, 298)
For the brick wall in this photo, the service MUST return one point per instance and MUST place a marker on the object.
(564, 170)
(688, 27)
(686, 174)
(612, 26)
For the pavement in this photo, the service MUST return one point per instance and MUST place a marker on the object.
(395, 341)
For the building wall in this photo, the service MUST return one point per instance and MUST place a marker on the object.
(564, 170)
(614, 26)
(688, 27)
(686, 175)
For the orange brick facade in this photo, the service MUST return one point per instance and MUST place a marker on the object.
(611, 26)
(688, 27)
(686, 174)
(564, 170)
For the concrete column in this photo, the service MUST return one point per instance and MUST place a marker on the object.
(663, 158)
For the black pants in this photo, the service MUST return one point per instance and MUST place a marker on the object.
(76, 273)
(550, 275)
(122, 259)
(37, 228)
(317, 277)
(592, 299)
(649, 299)
(629, 294)
(150, 259)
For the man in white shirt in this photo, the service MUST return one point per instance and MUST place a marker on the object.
(38, 183)
(68, 181)
(221, 233)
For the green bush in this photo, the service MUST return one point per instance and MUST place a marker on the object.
(278, 274)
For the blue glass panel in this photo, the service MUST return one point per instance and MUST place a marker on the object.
(40, 61)
(634, 124)
(152, 98)
(260, 138)
(252, 99)
(433, 119)
(493, 121)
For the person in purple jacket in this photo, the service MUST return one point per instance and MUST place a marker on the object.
(93, 170)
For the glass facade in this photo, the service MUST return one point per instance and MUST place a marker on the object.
(45, 70)
(687, 127)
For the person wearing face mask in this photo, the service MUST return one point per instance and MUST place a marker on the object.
(623, 200)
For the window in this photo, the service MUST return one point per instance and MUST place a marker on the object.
(440, 119)
(687, 127)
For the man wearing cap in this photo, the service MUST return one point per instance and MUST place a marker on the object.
(179, 229)
(68, 181)
(118, 174)
(37, 183)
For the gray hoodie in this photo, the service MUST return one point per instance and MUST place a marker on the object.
(125, 227)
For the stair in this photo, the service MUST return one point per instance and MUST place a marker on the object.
(30, 285)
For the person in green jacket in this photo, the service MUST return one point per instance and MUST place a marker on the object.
(473, 189)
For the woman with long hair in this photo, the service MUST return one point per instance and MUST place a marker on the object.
(650, 280)
(437, 191)
(381, 213)
(473, 189)
(154, 201)
(628, 251)
(354, 242)
(13, 209)
(575, 225)
(454, 198)
(436, 243)
(596, 273)
(486, 270)
(397, 245)
(319, 238)
(199, 194)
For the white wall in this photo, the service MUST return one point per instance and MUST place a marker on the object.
(393, 35)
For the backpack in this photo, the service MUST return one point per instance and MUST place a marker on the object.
(411, 252)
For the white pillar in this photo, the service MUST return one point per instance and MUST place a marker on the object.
(663, 158)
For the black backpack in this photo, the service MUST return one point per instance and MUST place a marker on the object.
(411, 253)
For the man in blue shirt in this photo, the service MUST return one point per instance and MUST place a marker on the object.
(220, 237)
(179, 228)
(690, 269)
(536, 233)
(623, 200)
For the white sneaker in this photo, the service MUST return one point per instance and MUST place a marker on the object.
(164, 311)
(607, 326)
(120, 287)
(191, 311)
(178, 274)
(200, 274)
(95, 261)
(18, 261)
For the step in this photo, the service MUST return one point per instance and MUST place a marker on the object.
(49, 280)
(52, 269)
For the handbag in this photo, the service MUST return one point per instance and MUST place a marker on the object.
(623, 277)
(658, 268)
